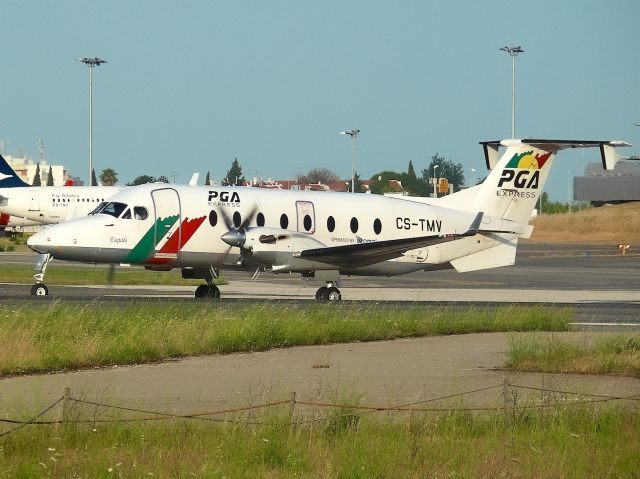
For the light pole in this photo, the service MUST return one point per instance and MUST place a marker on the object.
(353, 134)
(435, 181)
(473, 170)
(513, 51)
(91, 62)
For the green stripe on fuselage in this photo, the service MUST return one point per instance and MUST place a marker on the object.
(145, 247)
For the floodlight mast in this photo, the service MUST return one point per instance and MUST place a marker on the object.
(353, 134)
(513, 52)
(91, 62)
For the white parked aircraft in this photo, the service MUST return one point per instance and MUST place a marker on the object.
(319, 235)
(50, 204)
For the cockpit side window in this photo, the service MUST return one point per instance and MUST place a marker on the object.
(113, 208)
(126, 215)
(140, 213)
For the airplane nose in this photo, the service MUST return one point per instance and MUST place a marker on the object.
(39, 242)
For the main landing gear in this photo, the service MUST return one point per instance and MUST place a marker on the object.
(205, 291)
(330, 292)
(40, 289)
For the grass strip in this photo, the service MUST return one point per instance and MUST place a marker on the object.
(61, 336)
(602, 355)
(565, 442)
(97, 275)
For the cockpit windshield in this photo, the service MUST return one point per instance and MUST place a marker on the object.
(112, 209)
(97, 209)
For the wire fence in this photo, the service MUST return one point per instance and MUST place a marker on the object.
(509, 405)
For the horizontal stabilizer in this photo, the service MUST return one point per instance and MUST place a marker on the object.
(607, 148)
(500, 255)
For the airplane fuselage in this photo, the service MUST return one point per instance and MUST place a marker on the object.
(53, 204)
(165, 227)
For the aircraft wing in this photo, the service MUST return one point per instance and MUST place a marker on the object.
(365, 254)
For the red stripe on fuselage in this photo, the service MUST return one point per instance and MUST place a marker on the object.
(188, 227)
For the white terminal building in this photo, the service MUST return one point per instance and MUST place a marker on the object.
(26, 168)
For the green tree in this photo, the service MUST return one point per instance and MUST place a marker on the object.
(207, 180)
(108, 177)
(380, 183)
(358, 184)
(94, 182)
(234, 175)
(36, 178)
(551, 207)
(50, 177)
(454, 172)
(162, 179)
(141, 180)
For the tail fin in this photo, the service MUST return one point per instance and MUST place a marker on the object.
(511, 190)
(8, 177)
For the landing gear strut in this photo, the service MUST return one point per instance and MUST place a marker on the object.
(330, 292)
(40, 289)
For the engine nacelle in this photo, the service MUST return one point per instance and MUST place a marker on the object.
(275, 248)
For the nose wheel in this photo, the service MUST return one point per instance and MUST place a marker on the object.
(330, 292)
(40, 289)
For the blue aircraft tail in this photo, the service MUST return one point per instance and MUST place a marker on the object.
(8, 177)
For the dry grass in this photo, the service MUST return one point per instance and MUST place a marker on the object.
(608, 224)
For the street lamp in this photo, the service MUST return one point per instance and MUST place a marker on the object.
(513, 51)
(91, 62)
(353, 134)
(435, 181)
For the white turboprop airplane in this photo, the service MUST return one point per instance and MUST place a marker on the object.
(47, 204)
(319, 235)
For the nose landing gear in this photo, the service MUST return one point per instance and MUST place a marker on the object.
(40, 289)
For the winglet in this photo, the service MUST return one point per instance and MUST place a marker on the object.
(194, 179)
(8, 177)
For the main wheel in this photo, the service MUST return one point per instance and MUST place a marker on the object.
(39, 289)
(207, 291)
(332, 294)
(320, 294)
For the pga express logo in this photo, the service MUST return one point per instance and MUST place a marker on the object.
(523, 171)
(224, 198)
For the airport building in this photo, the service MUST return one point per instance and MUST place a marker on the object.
(599, 186)
(26, 168)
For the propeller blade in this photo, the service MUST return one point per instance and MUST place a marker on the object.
(111, 274)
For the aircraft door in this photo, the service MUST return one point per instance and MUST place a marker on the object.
(167, 226)
(306, 217)
(34, 200)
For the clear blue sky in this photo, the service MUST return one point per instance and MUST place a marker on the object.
(191, 85)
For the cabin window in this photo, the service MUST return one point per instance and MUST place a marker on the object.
(307, 223)
(354, 225)
(377, 226)
(260, 219)
(331, 224)
(213, 218)
(237, 219)
(284, 221)
(140, 213)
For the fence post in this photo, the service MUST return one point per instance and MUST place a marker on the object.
(65, 405)
(292, 408)
(506, 401)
